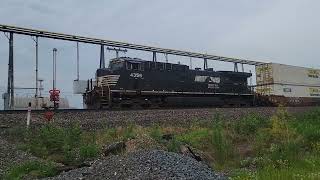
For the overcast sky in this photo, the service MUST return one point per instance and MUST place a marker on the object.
(281, 31)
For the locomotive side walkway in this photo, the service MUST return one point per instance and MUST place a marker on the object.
(92, 120)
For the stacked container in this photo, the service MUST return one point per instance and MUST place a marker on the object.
(288, 81)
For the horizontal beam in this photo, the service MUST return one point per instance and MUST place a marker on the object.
(66, 37)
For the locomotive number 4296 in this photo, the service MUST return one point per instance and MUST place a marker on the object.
(136, 75)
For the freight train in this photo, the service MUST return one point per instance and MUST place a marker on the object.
(136, 83)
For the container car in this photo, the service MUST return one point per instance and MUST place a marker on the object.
(289, 85)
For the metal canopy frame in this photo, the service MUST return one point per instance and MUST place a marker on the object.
(60, 36)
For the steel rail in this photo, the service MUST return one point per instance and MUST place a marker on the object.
(67, 37)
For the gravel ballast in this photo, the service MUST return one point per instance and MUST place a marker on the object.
(93, 120)
(154, 164)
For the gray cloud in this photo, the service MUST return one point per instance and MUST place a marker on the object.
(282, 31)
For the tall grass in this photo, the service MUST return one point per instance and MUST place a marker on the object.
(223, 149)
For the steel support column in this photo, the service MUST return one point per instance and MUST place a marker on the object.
(236, 67)
(102, 60)
(78, 61)
(205, 64)
(10, 88)
(154, 57)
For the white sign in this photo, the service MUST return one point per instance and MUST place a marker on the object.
(207, 79)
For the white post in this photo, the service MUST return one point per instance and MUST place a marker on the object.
(29, 115)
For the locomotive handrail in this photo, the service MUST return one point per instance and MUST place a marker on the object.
(67, 37)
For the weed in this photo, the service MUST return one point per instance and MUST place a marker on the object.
(196, 137)
(262, 141)
(174, 145)
(250, 124)
(156, 133)
(72, 136)
(222, 148)
(89, 151)
(34, 169)
(70, 157)
(129, 132)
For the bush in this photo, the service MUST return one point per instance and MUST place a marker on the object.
(89, 151)
(280, 130)
(287, 152)
(49, 140)
(35, 169)
(250, 124)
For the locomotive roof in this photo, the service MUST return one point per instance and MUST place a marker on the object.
(128, 59)
(137, 60)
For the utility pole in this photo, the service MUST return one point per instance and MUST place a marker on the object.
(36, 40)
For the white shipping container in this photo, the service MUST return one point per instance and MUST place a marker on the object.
(21, 103)
(290, 90)
(79, 86)
(273, 73)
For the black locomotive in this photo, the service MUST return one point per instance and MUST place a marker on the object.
(131, 82)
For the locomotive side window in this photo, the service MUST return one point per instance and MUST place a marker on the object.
(135, 66)
(160, 66)
(168, 66)
(153, 65)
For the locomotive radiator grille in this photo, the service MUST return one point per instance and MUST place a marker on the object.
(108, 80)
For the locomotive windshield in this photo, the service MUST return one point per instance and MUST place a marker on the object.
(115, 65)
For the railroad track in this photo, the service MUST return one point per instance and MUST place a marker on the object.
(99, 119)
(123, 109)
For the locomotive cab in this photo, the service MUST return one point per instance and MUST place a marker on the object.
(123, 63)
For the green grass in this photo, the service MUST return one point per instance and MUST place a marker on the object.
(33, 169)
(89, 151)
(249, 125)
(284, 146)
(156, 133)
(69, 146)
